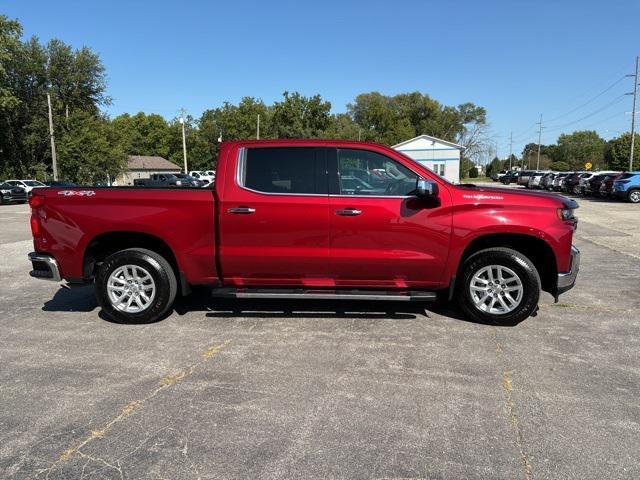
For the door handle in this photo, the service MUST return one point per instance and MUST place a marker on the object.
(242, 210)
(349, 212)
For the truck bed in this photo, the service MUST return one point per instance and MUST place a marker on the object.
(73, 219)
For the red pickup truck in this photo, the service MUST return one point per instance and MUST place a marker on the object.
(309, 219)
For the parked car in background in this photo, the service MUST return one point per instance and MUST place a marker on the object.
(547, 179)
(606, 187)
(498, 175)
(592, 186)
(510, 177)
(163, 180)
(60, 183)
(202, 176)
(627, 187)
(535, 179)
(523, 178)
(556, 186)
(28, 185)
(571, 182)
(11, 194)
(585, 179)
(194, 182)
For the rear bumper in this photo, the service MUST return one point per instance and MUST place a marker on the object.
(45, 267)
(567, 280)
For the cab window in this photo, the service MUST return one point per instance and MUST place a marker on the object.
(363, 172)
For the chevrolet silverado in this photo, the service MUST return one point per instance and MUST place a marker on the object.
(309, 219)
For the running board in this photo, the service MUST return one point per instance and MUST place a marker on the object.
(400, 296)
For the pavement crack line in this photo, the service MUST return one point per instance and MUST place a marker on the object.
(507, 388)
(131, 408)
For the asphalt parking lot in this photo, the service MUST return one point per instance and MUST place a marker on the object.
(277, 389)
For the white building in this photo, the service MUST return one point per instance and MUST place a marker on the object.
(441, 156)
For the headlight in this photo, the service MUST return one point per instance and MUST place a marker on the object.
(565, 214)
(5, 191)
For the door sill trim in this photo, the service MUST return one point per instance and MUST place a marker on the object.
(318, 294)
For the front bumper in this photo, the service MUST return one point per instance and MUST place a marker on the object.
(567, 280)
(45, 267)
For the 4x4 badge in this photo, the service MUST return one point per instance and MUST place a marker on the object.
(79, 193)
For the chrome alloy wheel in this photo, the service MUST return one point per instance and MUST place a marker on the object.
(131, 288)
(496, 289)
(634, 196)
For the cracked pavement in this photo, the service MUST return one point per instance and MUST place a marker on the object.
(274, 390)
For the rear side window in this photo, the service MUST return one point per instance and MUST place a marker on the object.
(284, 170)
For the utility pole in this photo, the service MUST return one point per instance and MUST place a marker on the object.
(258, 129)
(184, 141)
(53, 141)
(633, 113)
(510, 148)
(539, 140)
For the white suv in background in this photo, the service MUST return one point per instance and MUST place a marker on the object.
(28, 185)
(207, 177)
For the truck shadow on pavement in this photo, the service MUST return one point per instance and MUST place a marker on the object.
(82, 299)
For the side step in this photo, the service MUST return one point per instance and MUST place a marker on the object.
(319, 294)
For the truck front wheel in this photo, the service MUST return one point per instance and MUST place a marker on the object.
(499, 286)
(135, 286)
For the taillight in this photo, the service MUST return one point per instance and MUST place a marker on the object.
(35, 226)
(36, 201)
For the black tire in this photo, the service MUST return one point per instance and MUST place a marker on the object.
(514, 261)
(634, 195)
(163, 277)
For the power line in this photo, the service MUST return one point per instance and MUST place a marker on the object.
(595, 112)
(588, 101)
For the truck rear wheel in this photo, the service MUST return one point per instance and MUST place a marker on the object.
(136, 286)
(499, 286)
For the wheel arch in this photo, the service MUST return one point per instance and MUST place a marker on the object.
(105, 244)
(535, 249)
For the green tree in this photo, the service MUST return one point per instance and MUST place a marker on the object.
(560, 166)
(618, 152)
(495, 166)
(75, 79)
(144, 134)
(580, 147)
(297, 116)
(88, 151)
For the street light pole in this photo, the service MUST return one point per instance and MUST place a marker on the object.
(539, 140)
(54, 160)
(633, 114)
(184, 142)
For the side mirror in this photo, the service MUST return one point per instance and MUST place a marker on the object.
(426, 188)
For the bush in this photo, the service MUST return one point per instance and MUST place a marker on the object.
(473, 172)
(560, 166)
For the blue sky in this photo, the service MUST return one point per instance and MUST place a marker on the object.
(518, 59)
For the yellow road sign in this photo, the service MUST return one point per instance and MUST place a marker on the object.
(588, 166)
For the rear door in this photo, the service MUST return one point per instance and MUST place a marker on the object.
(274, 223)
(381, 235)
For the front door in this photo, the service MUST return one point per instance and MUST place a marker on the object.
(380, 234)
(274, 218)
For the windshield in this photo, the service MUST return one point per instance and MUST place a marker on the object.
(33, 183)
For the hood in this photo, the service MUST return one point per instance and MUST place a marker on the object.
(516, 195)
